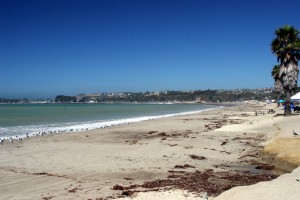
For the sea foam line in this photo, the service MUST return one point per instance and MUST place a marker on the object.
(36, 130)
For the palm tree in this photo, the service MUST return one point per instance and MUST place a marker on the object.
(278, 87)
(286, 46)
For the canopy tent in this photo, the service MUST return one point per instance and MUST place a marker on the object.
(296, 96)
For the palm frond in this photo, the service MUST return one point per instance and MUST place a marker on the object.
(275, 72)
(287, 41)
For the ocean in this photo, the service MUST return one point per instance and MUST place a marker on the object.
(31, 119)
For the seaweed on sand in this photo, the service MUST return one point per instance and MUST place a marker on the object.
(208, 181)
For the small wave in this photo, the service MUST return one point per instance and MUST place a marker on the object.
(30, 130)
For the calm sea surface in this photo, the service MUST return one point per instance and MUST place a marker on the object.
(19, 119)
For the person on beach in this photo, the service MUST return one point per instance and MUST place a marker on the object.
(292, 107)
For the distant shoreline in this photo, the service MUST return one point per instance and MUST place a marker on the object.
(177, 102)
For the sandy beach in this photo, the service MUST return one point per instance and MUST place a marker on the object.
(181, 157)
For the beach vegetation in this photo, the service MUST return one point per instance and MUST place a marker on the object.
(286, 47)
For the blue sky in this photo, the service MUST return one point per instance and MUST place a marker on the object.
(52, 47)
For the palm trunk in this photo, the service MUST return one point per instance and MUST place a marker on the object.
(287, 110)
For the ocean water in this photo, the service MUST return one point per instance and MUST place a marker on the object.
(22, 119)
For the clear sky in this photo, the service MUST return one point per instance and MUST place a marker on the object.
(52, 47)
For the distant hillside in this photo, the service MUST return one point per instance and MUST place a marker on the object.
(172, 96)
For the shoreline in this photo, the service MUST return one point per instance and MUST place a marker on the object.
(90, 125)
(89, 164)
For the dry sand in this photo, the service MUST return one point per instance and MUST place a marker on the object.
(213, 144)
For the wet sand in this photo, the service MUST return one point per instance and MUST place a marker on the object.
(208, 152)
